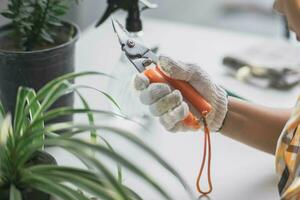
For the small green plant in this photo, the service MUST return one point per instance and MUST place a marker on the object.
(29, 130)
(35, 21)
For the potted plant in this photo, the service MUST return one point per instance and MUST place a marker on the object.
(35, 47)
(27, 172)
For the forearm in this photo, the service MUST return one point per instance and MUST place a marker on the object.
(254, 125)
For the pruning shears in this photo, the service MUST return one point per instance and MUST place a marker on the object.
(146, 61)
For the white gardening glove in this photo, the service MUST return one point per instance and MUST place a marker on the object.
(170, 106)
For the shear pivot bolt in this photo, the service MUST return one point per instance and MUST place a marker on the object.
(130, 43)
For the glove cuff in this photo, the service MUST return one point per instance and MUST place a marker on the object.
(219, 103)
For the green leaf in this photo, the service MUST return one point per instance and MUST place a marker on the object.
(104, 170)
(47, 37)
(71, 76)
(27, 96)
(58, 112)
(59, 10)
(19, 114)
(5, 130)
(130, 138)
(89, 115)
(119, 168)
(14, 193)
(134, 195)
(86, 181)
(2, 112)
(53, 95)
(8, 15)
(24, 154)
(75, 193)
(54, 22)
(109, 97)
(75, 146)
(87, 158)
(48, 186)
(49, 169)
(34, 108)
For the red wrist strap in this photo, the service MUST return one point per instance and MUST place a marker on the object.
(206, 152)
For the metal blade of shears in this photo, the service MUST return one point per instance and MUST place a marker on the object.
(139, 55)
(121, 32)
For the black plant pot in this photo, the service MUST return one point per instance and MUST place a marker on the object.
(35, 68)
(39, 157)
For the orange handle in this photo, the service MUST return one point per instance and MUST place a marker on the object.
(155, 75)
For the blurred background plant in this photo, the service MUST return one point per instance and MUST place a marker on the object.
(35, 21)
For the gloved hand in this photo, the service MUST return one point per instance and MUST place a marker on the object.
(170, 106)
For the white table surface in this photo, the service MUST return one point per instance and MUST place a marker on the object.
(239, 172)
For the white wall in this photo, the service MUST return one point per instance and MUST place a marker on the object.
(191, 11)
(87, 12)
(200, 12)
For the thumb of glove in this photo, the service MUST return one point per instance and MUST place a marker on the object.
(176, 69)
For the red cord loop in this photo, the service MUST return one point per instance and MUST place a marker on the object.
(206, 152)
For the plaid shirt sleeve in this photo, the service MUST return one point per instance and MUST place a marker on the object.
(288, 158)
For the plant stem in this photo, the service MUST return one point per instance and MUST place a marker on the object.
(33, 36)
(15, 22)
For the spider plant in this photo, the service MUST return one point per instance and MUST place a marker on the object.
(27, 132)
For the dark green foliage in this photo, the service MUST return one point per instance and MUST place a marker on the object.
(34, 21)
